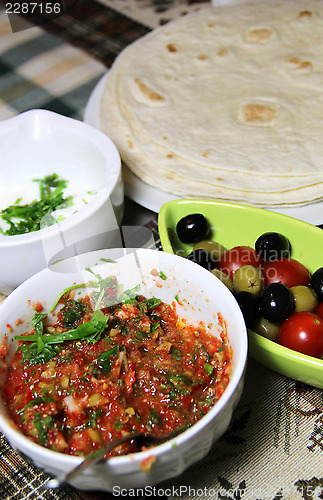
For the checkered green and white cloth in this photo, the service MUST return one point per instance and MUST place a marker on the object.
(38, 70)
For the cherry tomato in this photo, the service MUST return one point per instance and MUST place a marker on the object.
(303, 332)
(288, 271)
(237, 257)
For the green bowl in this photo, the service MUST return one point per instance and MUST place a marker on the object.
(233, 225)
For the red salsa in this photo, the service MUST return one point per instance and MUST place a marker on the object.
(113, 363)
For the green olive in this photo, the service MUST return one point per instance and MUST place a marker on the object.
(223, 277)
(266, 328)
(248, 279)
(305, 299)
(215, 249)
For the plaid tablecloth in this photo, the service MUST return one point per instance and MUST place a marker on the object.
(274, 446)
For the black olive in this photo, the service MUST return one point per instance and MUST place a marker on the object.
(249, 306)
(203, 258)
(316, 283)
(192, 228)
(272, 246)
(276, 302)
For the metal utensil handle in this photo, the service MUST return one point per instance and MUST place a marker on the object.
(91, 459)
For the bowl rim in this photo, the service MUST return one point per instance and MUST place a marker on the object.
(100, 140)
(70, 460)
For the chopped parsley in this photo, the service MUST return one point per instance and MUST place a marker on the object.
(34, 402)
(208, 369)
(32, 216)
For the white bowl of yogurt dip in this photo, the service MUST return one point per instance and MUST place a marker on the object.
(38, 144)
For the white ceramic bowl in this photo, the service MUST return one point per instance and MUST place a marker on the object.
(206, 296)
(38, 143)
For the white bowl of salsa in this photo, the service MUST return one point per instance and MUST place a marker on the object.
(174, 346)
(39, 145)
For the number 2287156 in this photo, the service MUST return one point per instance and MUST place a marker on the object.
(33, 7)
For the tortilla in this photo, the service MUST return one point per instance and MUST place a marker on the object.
(225, 102)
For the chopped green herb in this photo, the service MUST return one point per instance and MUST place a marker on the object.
(34, 402)
(94, 415)
(104, 359)
(42, 425)
(152, 303)
(140, 334)
(208, 369)
(176, 353)
(222, 347)
(57, 261)
(104, 284)
(72, 312)
(142, 307)
(64, 292)
(154, 418)
(38, 322)
(129, 294)
(31, 355)
(66, 358)
(31, 217)
(179, 379)
(207, 354)
(162, 275)
(153, 327)
(90, 331)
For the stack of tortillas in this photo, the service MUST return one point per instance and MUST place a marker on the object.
(225, 103)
